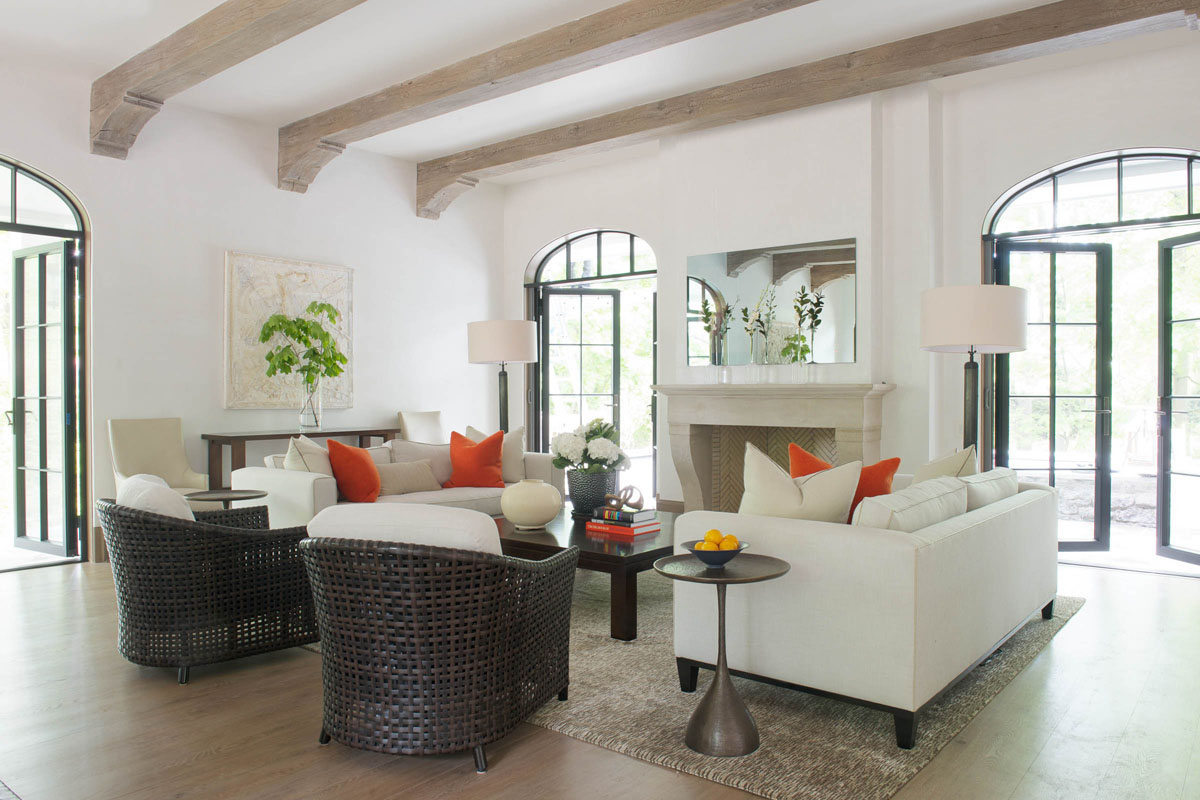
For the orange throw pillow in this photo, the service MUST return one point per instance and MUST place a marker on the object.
(355, 472)
(875, 479)
(476, 463)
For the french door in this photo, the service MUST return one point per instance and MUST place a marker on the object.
(1053, 401)
(1179, 398)
(44, 418)
(581, 358)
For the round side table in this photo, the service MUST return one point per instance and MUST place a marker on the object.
(722, 725)
(225, 497)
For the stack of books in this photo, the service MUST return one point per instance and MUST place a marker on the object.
(624, 523)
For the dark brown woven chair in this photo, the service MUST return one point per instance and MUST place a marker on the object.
(429, 650)
(219, 588)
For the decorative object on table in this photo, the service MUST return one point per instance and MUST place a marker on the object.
(629, 497)
(257, 286)
(722, 725)
(715, 549)
(625, 516)
(798, 348)
(626, 529)
(592, 456)
(531, 503)
(987, 318)
(502, 341)
(716, 317)
(757, 324)
(826, 268)
(308, 349)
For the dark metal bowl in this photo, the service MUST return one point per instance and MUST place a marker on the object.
(714, 558)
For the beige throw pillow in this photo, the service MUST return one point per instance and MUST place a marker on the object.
(512, 456)
(823, 496)
(305, 455)
(990, 487)
(151, 493)
(438, 456)
(956, 465)
(918, 506)
(405, 477)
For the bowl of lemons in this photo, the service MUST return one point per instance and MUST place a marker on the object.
(716, 549)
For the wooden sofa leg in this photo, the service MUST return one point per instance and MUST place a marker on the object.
(480, 760)
(688, 675)
(906, 729)
(1048, 610)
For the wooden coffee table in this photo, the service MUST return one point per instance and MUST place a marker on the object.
(622, 559)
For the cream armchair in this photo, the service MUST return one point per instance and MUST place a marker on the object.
(154, 447)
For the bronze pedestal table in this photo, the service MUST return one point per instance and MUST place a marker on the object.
(722, 725)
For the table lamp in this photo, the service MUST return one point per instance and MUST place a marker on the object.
(502, 341)
(987, 318)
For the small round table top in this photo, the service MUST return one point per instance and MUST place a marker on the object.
(225, 495)
(744, 568)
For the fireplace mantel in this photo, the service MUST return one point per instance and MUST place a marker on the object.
(853, 411)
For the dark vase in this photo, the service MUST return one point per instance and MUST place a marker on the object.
(587, 490)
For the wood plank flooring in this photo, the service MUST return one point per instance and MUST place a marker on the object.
(1110, 709)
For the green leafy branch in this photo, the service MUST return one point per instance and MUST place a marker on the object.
(306, 346)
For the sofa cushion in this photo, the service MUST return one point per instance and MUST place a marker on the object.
(512, 456)
(437, 454)
(476, 463)
(355, 472)
(305, 455)
(476, 498)
(919, 506)
(958, 464)
(988, 487)
(151, 493)
(457, 528)
(770, 492)
(405, 477)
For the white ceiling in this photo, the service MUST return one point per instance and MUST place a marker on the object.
(386, 41)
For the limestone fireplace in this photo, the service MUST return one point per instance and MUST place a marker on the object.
(709, 425)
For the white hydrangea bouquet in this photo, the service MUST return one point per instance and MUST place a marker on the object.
(589, 449)
(591, 456)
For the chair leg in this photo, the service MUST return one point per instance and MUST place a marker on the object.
(480, 760)
(562, 695)
(184, 674)
(1048, 610)
(906, 729)
(324, 738)
(688, 675)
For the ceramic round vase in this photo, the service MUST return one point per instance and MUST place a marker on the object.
(530, 504)
(587, 490)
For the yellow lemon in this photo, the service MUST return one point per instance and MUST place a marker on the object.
(713, 536)
(729, 543)
(706, 545)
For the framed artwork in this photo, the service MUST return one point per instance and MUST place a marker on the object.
(257, 287)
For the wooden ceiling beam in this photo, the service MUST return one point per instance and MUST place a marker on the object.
(124, 99)
(1018, 36)
(633, 27)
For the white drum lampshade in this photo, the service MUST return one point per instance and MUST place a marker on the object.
(987, 318)
(502, 341)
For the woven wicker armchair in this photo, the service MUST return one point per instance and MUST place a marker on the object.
(219, 588)
(429, 650)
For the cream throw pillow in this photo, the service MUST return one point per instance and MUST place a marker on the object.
(956, 465)
(405, 477)
(512, 456)
(918, 506)
(990, 487)
(305, 455)
(151, 493)
(823, 496)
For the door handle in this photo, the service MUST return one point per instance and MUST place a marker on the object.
(8, 418)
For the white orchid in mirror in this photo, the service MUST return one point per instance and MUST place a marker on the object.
(589, 448)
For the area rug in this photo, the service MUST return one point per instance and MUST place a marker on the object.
(625, 696)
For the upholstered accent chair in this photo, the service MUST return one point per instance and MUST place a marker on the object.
(219, 588)
(428, 649)
(154, 447)
(422, 426)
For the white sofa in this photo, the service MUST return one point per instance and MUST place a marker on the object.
(295, 497)
(878, 617)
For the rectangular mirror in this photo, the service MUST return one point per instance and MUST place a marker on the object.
(773, 305)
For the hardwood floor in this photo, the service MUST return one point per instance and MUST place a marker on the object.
(1110, 709)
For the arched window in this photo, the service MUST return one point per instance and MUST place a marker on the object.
(1133, 187)
(699, 342)
(588, 256)
(42, 235)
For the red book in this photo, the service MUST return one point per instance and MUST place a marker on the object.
(624, 530)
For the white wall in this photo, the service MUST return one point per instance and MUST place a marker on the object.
(196, 185)
(910, 173)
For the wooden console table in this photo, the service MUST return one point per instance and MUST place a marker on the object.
(237, 445)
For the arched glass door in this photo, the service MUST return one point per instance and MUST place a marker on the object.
(43, 498)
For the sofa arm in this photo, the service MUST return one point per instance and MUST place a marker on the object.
(293, 497)
(541, 467)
